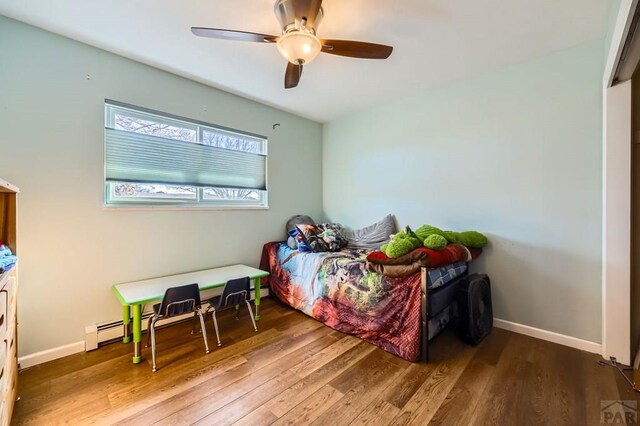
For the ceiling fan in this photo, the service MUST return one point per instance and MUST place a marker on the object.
(298, 43)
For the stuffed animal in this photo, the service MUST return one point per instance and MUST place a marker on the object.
(435, 242)
(402, 243)
(406, 241)
(425, 230)
(399, 247)
(468, 238)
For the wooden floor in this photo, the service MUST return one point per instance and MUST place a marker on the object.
(297, 371)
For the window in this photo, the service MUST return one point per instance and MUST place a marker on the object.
(153, 158)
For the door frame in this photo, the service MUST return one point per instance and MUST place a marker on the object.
(616, 196)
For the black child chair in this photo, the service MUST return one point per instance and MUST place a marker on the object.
(177, 301)
(234, 293)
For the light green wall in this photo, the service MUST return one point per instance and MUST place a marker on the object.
(515, 154)
(71, 248)
(612, 16)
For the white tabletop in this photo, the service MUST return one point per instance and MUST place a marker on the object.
(154, 289)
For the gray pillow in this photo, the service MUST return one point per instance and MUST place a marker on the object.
(293, 223)
(299, 219)
(373, 236)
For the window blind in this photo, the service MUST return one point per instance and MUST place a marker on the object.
(136, 157)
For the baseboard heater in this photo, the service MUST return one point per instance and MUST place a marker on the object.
(97, 335)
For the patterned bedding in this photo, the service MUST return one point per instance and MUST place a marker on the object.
(338, 290)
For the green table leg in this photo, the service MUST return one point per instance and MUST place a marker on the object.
(126, 323)
(137, 334)
(256, 297)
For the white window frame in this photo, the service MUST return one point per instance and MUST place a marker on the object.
(112, 200)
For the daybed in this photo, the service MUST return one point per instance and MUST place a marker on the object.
(340, 289)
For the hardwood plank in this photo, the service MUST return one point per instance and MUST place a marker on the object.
(165, 377)
(319, 378)
(69, 397)
(546, 389)
(353, 377)
(405, 386)
(492, 347)
(328, 354)
(130, 400)
(311, 408)
(293, 337)
(169, 389)
(463, 398)
(295, 394)
(238, 408)
(375, 373)
(258, 417)
(37, 378)
(497, 405)
(205, 398)
(379, 412)
(257, 397)
(428, 398)
(80, 414)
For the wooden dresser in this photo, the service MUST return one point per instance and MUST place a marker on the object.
(8, 306)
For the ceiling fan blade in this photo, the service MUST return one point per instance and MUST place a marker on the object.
(292, 76)
(356, 49)
(233, 35)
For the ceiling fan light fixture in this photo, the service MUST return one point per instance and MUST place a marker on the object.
(299, 47)
(299, 21)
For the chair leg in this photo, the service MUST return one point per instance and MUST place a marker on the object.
(215, 325)
(204, 330)
(251, 315)
(237, 312)
(152, 329)
(149, 332)
(195, 322)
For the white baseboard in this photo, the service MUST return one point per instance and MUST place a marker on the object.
(561, 339)
(50, 354)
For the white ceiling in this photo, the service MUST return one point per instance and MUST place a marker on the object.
(436, 42)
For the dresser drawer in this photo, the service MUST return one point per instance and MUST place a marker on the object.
(4, 314)
(8, 383)
(10, 373)
(9, 344)
(9, 293)
(4, 356)
(4, 370)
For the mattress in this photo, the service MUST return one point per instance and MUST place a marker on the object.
(438, 277)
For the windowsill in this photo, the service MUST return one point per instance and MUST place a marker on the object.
(123, 207)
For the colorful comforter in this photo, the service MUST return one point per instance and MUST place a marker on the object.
(338, 290)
